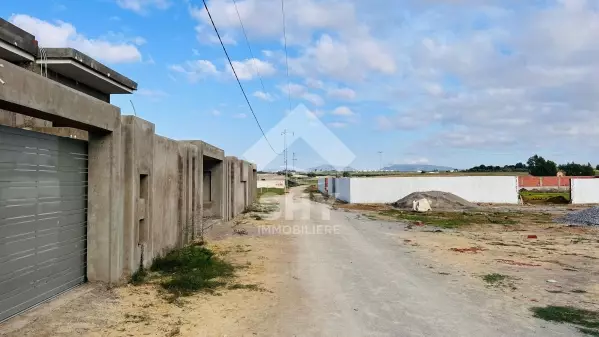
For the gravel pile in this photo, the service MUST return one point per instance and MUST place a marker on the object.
(586, 217)
(437, 199)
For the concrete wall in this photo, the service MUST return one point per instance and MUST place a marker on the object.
(342, 188)
(474, 189)
(271, 183)
(584, 191)
(166, 194)
(145, 191)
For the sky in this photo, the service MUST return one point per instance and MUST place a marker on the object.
(447, 82)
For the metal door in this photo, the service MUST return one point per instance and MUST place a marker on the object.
(43, 217)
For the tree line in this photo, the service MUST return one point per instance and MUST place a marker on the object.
(539, 166)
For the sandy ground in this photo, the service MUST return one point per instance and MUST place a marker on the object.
(93, 310)
(334, 272)
(558, 267)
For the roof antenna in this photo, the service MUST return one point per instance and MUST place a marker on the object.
(134, 112)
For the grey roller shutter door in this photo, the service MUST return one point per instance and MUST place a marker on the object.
(43, 217)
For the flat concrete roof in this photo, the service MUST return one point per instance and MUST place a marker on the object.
(16, 45)
(76, 65)
(213, 151)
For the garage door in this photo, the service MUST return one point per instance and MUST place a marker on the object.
(43, 217)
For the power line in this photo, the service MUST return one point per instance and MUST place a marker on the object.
(286, 54)
(237, 77)
(249, 47)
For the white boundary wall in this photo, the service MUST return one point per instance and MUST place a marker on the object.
(487, 189)
(321, 184)
(584, 191)
(270, 183)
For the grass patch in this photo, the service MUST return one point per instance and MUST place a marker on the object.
(270, 191)
(589, 332)
(540, 197)
(187, 270)
(583, 318)
(458, 219)
(262, 208)
(139, 277)
(494, 278)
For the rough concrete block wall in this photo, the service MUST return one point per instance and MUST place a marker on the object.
(166, 192)
(138, 147)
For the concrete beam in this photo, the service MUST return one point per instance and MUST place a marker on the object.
(30, 94)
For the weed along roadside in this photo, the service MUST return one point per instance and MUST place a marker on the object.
(187, 270)
(586, 321)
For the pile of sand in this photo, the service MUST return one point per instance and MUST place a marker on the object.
(437, 199)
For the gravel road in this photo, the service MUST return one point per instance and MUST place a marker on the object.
(360, 281)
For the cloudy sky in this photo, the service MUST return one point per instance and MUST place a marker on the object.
(448, 82)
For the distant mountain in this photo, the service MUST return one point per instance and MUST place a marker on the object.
(416, 168)
(328, 168)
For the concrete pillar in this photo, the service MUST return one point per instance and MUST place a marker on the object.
(138, 157)
(105, 207)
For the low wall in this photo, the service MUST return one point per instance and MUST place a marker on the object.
(584, 191)
(530, 182)
(271, 183)
(484, 189)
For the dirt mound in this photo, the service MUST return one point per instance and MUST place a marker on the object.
(437, 199)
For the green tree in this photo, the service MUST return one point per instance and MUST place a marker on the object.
(597, 168)
(573, 169)
(311, 174)
(539, 167)
(346, 174)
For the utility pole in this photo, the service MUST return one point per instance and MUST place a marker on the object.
(294, 160)
(380, 160)
(284, 133)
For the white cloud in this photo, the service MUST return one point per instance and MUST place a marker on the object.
(196, 70)
(337, 125)
(263, 96)
(138, 40)
(215, 113)
(250, 68)
(352, 59)
(206, 35)
(299, 91)
(63, 35)
(313, 98)
(314, 84)
(143, 6)
(240, 116)
(343, 111)
(342, 93)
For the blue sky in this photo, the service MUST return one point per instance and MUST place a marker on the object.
(447, 82)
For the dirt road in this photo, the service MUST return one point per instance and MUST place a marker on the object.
(359, 281)
(318, 272)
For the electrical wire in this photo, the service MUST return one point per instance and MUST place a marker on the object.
(237, 77)
(286, 54)
(250, 48)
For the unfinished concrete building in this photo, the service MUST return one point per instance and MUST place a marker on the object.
(86, 193)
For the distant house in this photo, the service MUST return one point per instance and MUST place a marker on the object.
(561, 173)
